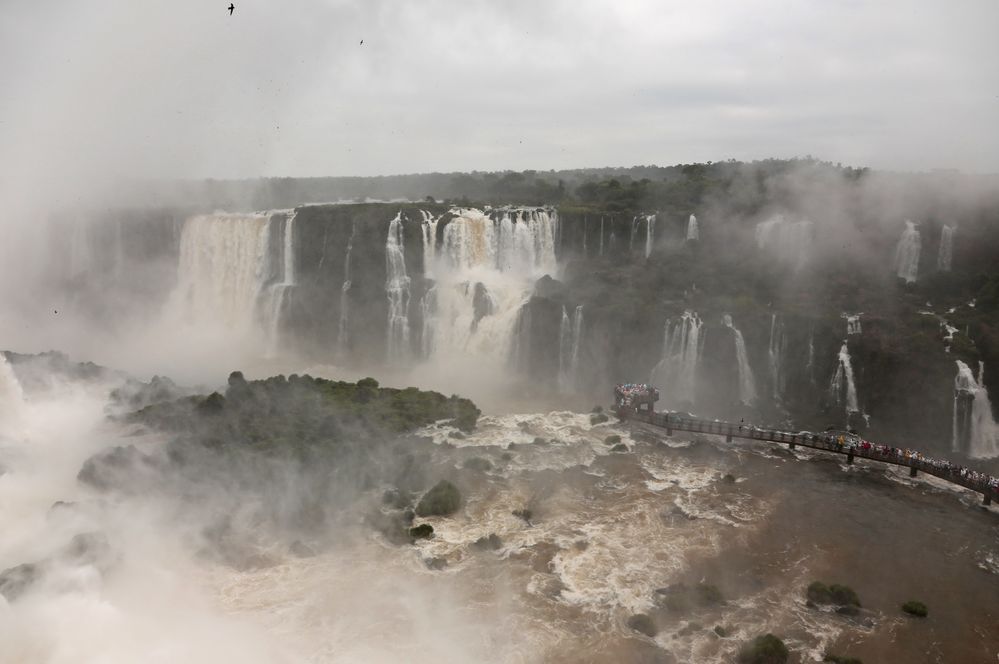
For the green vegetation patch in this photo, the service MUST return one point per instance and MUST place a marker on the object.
(766, 649)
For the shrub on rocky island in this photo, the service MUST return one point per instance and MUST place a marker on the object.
(443, 499)
(598, 418)
(836, 594)
(914, 608)
(766, 649)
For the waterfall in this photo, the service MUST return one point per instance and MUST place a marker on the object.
(222, 271)
(277, 293)
(428, 312)
(601, 236)
(693, 233)
(789, 242)
(397, 289)
(650, 229)
(676, 372)
(570, 332)
(974, 429)
(11, 397)
(747, 384)
(429, 228)
(852, 323)
(775, 356)
(907, 254)
(842, 384)
(946, 248)
(564, 352)
(484, 272)
(343, 325)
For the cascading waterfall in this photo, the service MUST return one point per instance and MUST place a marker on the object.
(277, 293)
(789, 242)
(907, 254)
(570, 333)
(693, 233)
(650, 229)
(853, 325)
(946, 248)
(343, 325)
(397, 288)
(775, 356)
(975, 431)
(223, 269)
(676, 372)
(747, 384)
(601, 236)
(484, 271)
(842, 389)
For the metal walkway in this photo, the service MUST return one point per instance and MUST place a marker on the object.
(849, 445)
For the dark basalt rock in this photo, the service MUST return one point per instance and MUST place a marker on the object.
(478, 463)
(524, 514)
(491, 542)
(598, 418)
(838, 659)
(443, 499)
(620, 447)
(422, 531)
(642, 624)
(914, 608)
(612, 440)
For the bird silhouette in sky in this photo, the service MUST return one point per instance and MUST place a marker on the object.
(362, 43)
(232, 8)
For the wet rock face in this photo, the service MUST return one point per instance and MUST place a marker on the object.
(642, 624)
(91, 549)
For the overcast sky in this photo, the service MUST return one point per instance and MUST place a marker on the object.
(180, 88)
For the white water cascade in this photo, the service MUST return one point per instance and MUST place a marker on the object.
(853, 325)
(343, 325)
(945, 257)
(570, 333)
(974, 430)
(601, 236)
(787, 241)
(484, 271)
(842, 388)
(810, 364)
(222, 270)
(676, 372)
(650, 230)
(776, 351)
(397, 288)
(693, 232)
(907, 254)
(277, 293)
(747, 384)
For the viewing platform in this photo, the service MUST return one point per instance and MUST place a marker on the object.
(637, 404)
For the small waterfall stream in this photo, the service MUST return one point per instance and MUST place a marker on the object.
(693, 232)
(975, 431)
(907, 254)
(945, 257)
(676, 372)
(747, 384)
(397, 288)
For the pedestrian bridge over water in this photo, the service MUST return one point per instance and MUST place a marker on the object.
(849, 445)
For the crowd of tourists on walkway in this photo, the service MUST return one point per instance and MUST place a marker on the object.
(630, 394)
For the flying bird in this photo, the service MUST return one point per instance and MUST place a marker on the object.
(232, 8)
(362, 43)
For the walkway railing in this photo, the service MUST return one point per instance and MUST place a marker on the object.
(848, 445)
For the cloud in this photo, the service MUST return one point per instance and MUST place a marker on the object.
(181, 89)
